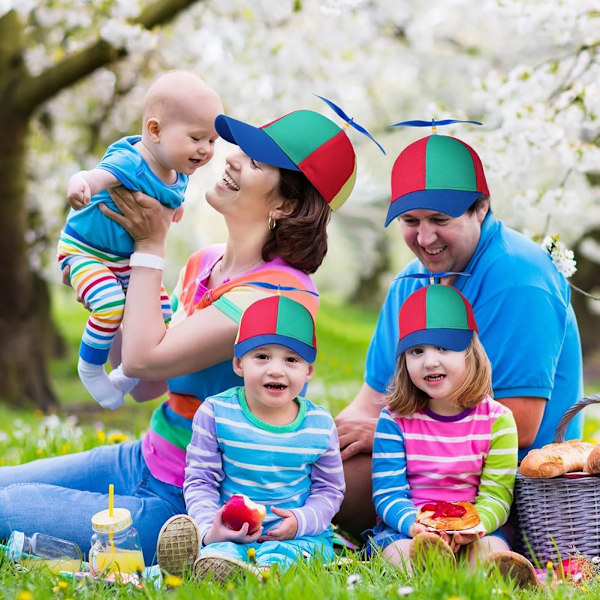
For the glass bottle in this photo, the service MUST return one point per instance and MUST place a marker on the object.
(115, 543)
(39, 548)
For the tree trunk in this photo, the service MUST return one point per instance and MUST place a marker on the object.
(587, 279)
(24, 299)
(27, 336)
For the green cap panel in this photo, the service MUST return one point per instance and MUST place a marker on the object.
(449, 165)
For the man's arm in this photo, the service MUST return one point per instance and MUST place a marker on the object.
(528, 414)
(356, 423)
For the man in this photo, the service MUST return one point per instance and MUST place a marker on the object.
(521, 303)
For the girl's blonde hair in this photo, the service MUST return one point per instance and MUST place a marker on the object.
(404, 397)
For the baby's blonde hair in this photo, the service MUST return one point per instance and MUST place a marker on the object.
(405, 398)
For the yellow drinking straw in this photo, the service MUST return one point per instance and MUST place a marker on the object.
(111, 511)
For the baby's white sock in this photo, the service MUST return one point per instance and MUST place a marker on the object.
(97, 383)
(121, 381)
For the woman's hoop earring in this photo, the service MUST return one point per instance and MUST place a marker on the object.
(272, 223)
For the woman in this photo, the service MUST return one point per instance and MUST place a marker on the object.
(276, 195)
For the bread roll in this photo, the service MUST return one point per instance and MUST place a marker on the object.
(592, 464)
(450, 516)
(556, 459)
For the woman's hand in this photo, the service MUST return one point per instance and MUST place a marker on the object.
(286, 530)
(219, 532)
(144, 218)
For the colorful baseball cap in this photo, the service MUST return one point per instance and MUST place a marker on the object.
(435, 315)
(439, 173)
(277, 320)
(304, 141)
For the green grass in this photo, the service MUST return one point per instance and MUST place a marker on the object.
(343, 335)
(355, 580)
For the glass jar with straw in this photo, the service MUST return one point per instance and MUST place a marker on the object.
(115, 543)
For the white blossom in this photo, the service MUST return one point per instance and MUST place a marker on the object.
(353, 581)
(520, 67)
(562, 257)
(134, 38)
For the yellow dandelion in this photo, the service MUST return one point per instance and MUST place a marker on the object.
(39, 452)
(66, 448)
(38, 414)
(549, 565)
(252, 555)
(117, 437)
(454, 598)
(101, 435)
(230, 587)
(62, 585)
(265, 575)
(173, 581)
(25, 595)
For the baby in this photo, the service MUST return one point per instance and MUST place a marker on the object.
(178, 136)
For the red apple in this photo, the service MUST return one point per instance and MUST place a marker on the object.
(239, 509)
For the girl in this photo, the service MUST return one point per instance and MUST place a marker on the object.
(442, 437)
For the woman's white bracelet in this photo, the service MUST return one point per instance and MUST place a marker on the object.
(152, 261)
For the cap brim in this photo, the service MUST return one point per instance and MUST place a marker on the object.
(456, 340)
(450, 202)
(307, 352)
(254, 142)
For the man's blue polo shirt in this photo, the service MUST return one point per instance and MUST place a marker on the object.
(526, 325)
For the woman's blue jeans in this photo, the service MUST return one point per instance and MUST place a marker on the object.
(58, 496)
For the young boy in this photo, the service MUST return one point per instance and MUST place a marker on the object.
(267, 442)
(178, 136)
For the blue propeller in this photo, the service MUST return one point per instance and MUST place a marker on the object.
(433, 123)
(350, 121)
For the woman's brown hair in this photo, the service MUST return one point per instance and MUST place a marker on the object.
(404, 397)
(300, 238)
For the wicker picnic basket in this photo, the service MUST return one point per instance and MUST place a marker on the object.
(561, 512)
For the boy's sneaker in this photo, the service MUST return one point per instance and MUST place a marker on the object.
(178, 545)
(515, 567)
(222, 568)
(428, 547)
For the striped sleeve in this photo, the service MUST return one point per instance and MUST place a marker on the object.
(391, 492)
(495, 492)
(204, 470)
(326, 491)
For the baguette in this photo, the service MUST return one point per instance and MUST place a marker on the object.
(592, 464)
(556, 459)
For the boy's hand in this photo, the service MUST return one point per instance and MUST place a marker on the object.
(78, 192)
(286, 530)
(219, 532)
